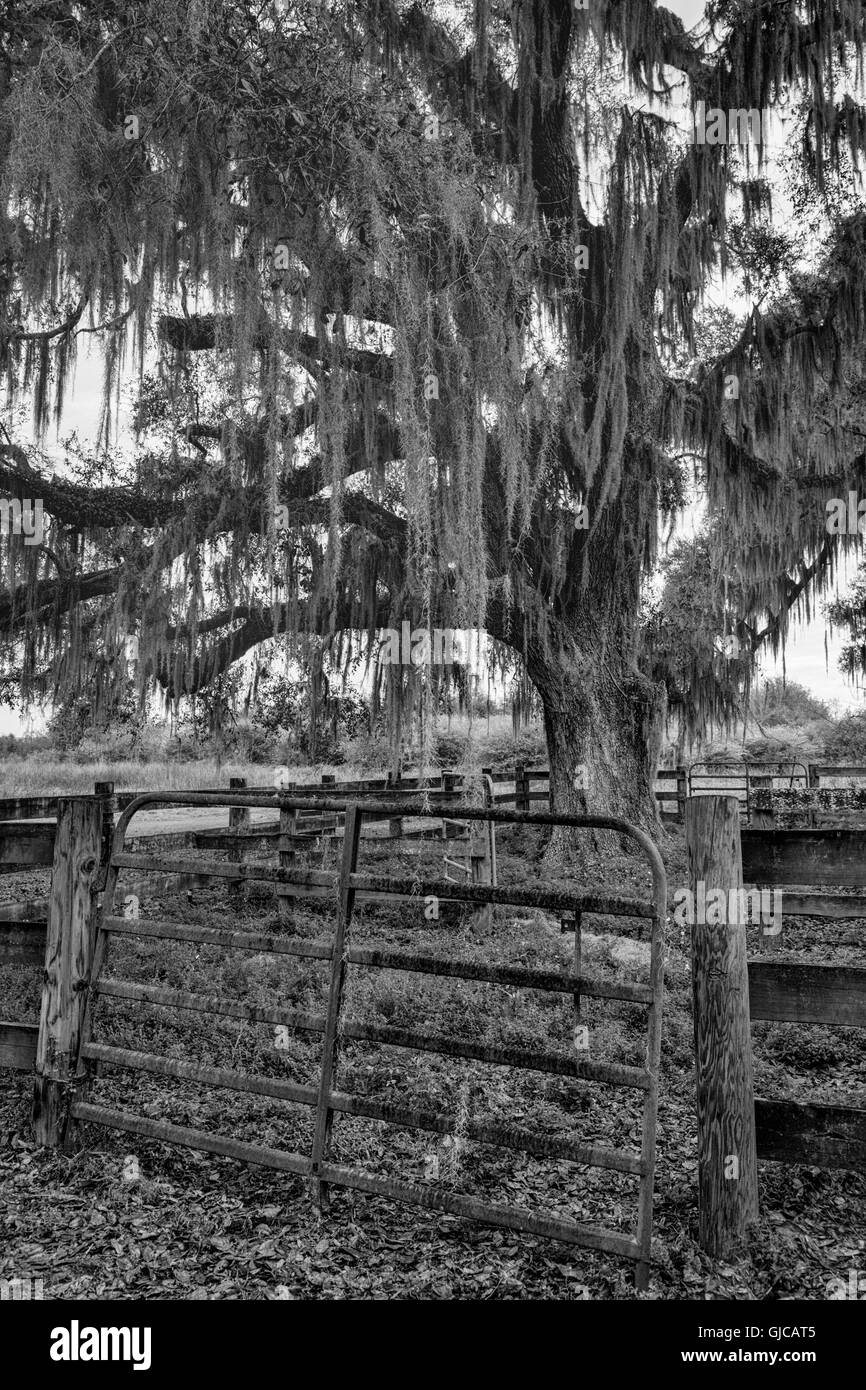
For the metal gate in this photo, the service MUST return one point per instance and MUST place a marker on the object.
(326, 1099)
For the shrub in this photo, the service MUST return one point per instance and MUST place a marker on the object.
(847, 742)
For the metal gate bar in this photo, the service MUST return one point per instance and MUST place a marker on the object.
(482, 1131)
(326, 1098)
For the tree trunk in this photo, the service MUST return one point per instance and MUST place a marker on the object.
(604, 720)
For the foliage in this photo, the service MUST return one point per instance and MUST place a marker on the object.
(847, 742)
(848, 612)
(403, 346)
(780, 701)
(313, 723)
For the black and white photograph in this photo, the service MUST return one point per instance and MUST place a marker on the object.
(432, 671)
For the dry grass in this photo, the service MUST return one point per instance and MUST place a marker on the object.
(50, 775)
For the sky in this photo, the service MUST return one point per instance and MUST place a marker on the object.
(805, 659)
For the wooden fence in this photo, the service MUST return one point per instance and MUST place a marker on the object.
(730, 990)
(532, 786)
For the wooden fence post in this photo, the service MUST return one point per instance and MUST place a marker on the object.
(287, 857)
(521, 787)
(490, 802)
(105, 792)
(328, 820)
(727, 1153)
(69, 943)
(239, 819)
(682, 793)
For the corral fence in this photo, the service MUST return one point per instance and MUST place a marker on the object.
(532, 784)
(744, 779)
(731, 990)
(76, 963)
(735, 1129)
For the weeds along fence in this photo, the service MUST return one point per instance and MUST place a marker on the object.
(747, 781)
(69, 1048)
(731, 990)
(30, 838)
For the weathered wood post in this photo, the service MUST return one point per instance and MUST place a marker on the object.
(762, 816)
(105, 792)
(239, 819)
(727, 1154)
(682, 793)
(481, 867)
(68, 949)
(328, 820)
(287, 856)
(521, 786)
(762, 783)
(490, 802)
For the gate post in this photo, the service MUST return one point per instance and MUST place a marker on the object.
(68, 950)
(727, 1153)
(105, 791)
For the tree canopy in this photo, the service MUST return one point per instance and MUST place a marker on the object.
(415, 297)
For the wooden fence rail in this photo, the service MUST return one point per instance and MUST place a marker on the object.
(730, 991)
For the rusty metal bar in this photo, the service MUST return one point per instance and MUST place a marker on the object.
(158, 864)
(488, 1132)
(168, 1133)
(480, 893)
(648, 1132)
(330, 1051)
(213, 936)
(557, 900)
(231, 1080)
(528, 1059)
(458, 1204)
(387, 959)
(404, 1116)
(208, 1004)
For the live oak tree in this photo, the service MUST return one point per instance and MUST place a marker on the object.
(426, 285)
